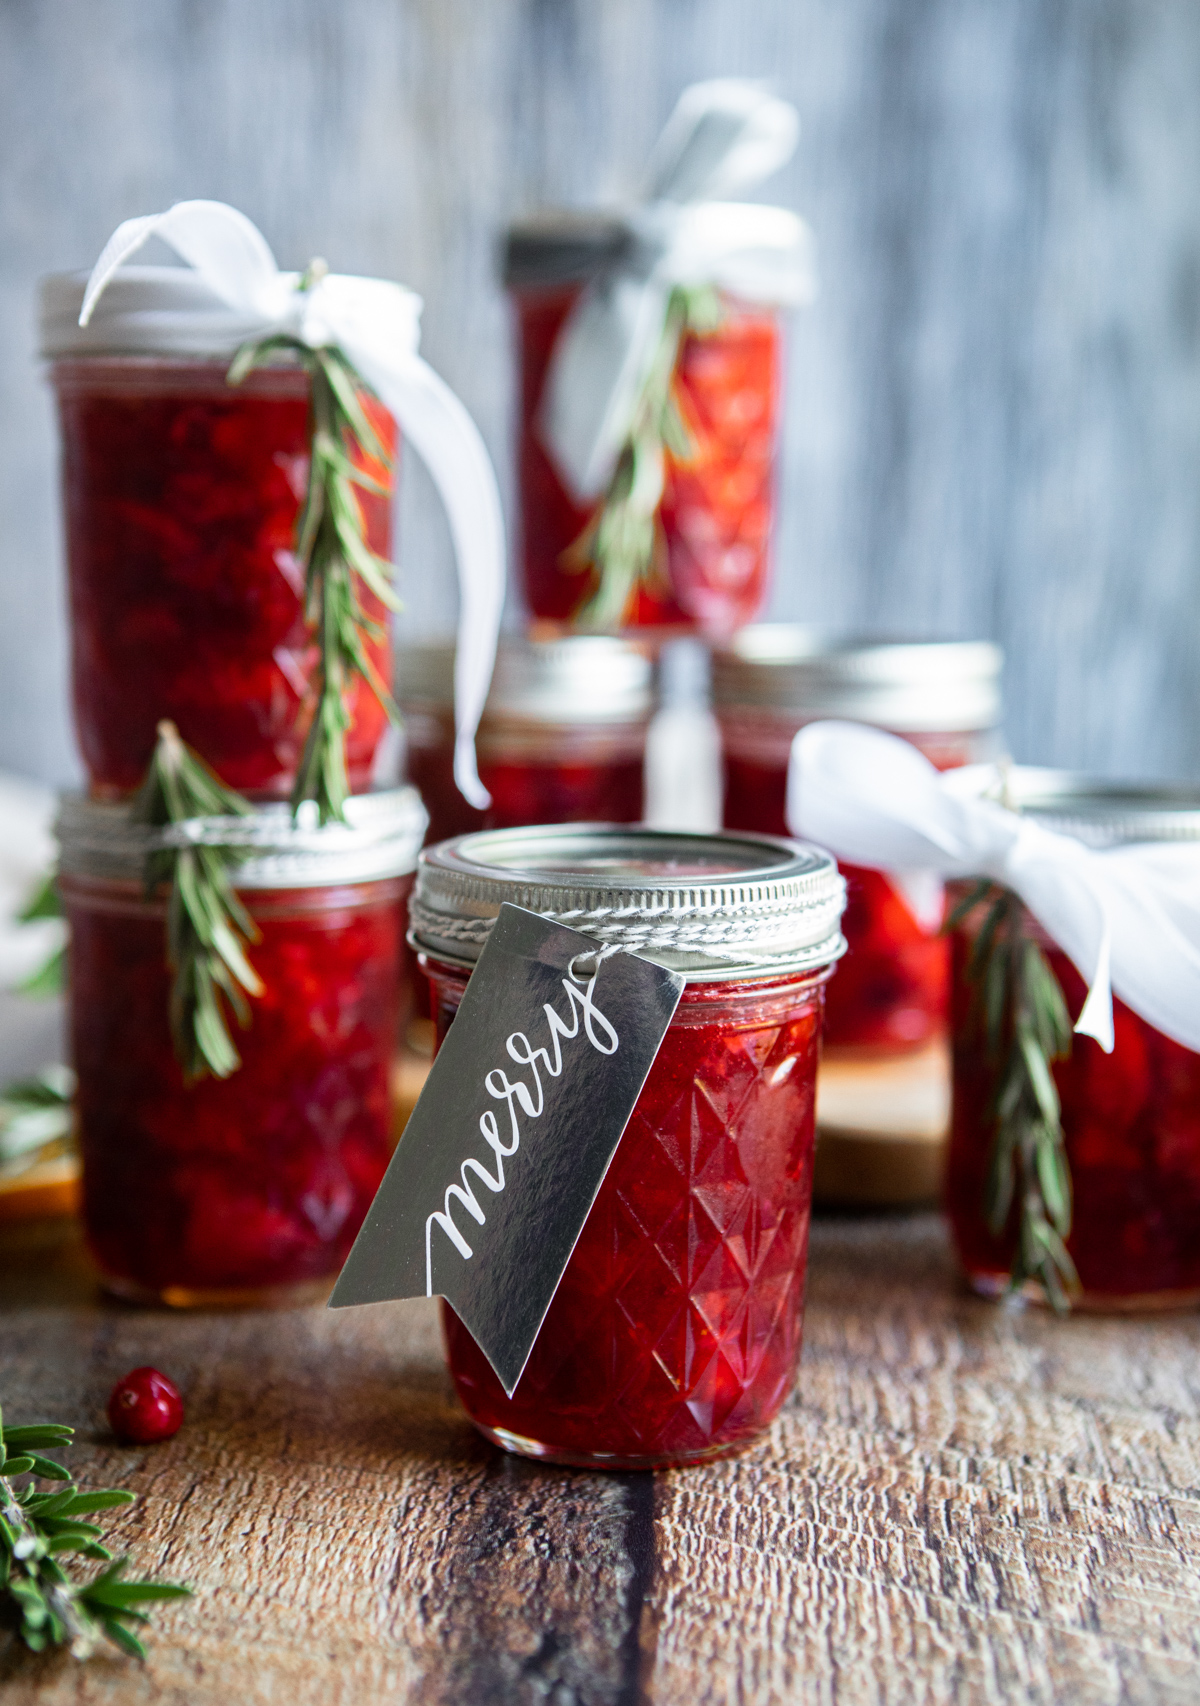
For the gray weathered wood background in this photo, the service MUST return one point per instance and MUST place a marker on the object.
(994, 417)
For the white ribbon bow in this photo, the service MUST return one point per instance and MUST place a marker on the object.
(723, 136)
(1128, 917)
(376, 324)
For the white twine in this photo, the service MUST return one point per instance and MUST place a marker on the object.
(376, 325)
(724, 136)
(716, 934)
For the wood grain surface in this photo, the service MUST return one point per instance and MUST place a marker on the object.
(959, 1504)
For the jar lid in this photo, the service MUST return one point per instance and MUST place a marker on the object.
(712, 906)
(563, 247)
(582, 678)
(1103, 813)
(381, 838)
(918, 686)
(143, 311)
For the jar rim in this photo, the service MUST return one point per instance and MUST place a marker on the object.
(714, 906)
(930, 686)
(381, 838)
(1100, 811)
(574, 678)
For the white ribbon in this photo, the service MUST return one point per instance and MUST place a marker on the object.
(376, 324)
(723, 136)
(1128, 917)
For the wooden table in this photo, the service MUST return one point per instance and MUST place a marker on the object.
(959, 1504)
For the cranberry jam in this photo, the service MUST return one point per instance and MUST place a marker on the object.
(675, 1331)
(249, 1188)
(891, 992)
(1131, 1119)
(718, 504)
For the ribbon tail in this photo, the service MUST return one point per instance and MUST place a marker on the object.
(1096, 1018)
(449, 443)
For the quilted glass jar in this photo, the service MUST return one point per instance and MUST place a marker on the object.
(675, 1331)
(891, 993)
(181, 495)
(248, 1189)
(562, 738)
(718, 505)
(1131, 1119)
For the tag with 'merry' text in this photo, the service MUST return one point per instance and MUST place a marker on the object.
(522, 1112)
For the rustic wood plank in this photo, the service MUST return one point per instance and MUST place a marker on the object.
(959, 1504)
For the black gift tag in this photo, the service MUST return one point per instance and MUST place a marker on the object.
(522, 1112)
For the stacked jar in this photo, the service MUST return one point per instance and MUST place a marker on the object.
(182, 494)
(891, 993)
(1130, 1119)
(714, 519)
(562, 738)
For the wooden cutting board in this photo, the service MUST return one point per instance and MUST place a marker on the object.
(881, 1129)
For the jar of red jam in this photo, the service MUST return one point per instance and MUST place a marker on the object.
(718, 504)
(1130, 1119)
(891, 992)
(181, 495)
(675, 1331)
(248, 1189)
(562, 738)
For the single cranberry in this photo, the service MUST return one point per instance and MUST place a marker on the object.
(145, 1407)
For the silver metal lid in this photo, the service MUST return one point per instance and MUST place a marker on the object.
(915, 686)
(713, 906)
(381, 839)
(584, 678)
(1102, 813)
(563, 247)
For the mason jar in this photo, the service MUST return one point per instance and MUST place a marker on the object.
(1130, 1119)
(891, 992)
(248, 1189)
(675, 1331)
(562, 738)
(718, 506)
(181, 495)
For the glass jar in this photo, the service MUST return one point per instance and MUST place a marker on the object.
(248, 1189)
(1131, 1119)
(717, 509)
(562, 738)
(891, 993)
(675, 1331)
(181, 497)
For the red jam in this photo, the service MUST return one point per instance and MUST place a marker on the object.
(592, 776)
(182, 494)
(256, 1184)
(1131, 1122)
(892, 988)
(717, 507)
(675, 1332)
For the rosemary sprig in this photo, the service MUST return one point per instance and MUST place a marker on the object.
(207, 925)
(331, 545)
(47, 1608)
(623, 540)
(1020, 1011)
(35, 1120)
(50, 977)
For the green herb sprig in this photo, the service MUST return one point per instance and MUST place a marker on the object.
(38, 1528)
(331, 544)
(35, 1120)
(1020, 1011)
(208, 928)
(623, 541)
(50, 977)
